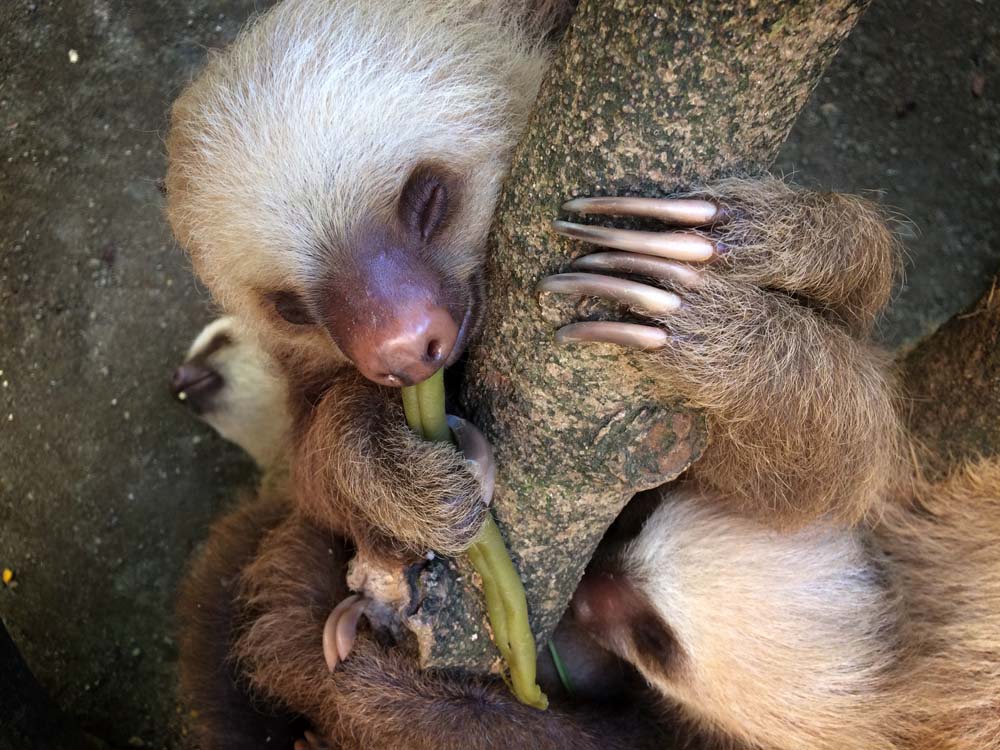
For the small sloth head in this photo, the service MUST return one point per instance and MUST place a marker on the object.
(333, 175)
(231, 383)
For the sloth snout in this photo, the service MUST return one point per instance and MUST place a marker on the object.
(195, 385)
(392, 317)
(412, 350)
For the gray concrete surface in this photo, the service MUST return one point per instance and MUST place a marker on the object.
(106, 486)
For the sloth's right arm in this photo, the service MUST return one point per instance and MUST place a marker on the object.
(360, 470)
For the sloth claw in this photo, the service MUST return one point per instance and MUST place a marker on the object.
(685, 212)
(632, 293)
(341, 628)
(641, 265)
(478, 452)
(633, 335)
(686, 246)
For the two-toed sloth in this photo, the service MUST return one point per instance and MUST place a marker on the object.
(332, 175)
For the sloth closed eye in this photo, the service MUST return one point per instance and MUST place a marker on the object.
(290, 307)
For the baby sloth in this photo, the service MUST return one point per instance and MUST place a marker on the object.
(333, 175)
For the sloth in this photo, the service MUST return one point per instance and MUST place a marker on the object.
(265, 566)
(881, 635)
(332, 176)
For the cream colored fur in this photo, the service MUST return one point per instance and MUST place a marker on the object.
(787, 639)
(251, 409)
(279, 149)
(831, 638)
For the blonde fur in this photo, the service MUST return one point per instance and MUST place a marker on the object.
(787, 640)
(279, 155)
(885, 635)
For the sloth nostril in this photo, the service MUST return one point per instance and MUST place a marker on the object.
(434, 350)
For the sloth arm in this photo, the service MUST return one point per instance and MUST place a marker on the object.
(378, 697)
(758, 309)
(357, 468)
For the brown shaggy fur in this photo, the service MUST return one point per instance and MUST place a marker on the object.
(943, 547)
(358, 468)
(210, 617)
(253, 643)
(773, 345)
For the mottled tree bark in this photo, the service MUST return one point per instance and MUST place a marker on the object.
(644, 98)
(953, 387)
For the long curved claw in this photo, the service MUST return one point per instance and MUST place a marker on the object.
(686, 246)
(643, 265)
(340, 628)
(685, 212)
(347, 627)
(478, 452)
(642, 296)
(646, 338)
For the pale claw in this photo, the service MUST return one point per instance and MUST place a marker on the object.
(340, 629)
(642, 265)
(642, 296)
(632, 335)
(477, 451)
(686, 246)
(685, 212)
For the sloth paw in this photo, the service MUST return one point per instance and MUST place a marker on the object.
(341, 629)
(665, 257)
(310, 741)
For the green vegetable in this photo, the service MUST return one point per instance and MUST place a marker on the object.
(506, 604)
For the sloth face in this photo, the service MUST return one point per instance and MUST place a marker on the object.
(333, 175)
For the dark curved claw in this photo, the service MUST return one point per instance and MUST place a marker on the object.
(642, 265)
(642, 296)
(646, 338)
(685, 212)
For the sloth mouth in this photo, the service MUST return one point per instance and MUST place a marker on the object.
(471, 319)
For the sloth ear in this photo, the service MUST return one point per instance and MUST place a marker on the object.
(425, 202)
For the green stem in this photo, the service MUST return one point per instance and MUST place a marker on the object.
(521, 659)
(506, 605)
(430, 397)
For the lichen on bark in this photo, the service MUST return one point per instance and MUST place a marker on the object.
(643, 98)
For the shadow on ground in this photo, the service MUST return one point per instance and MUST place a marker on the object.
(106, 486)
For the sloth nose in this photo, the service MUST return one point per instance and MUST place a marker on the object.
(410, 351)
(391, 316)
(195, 384)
